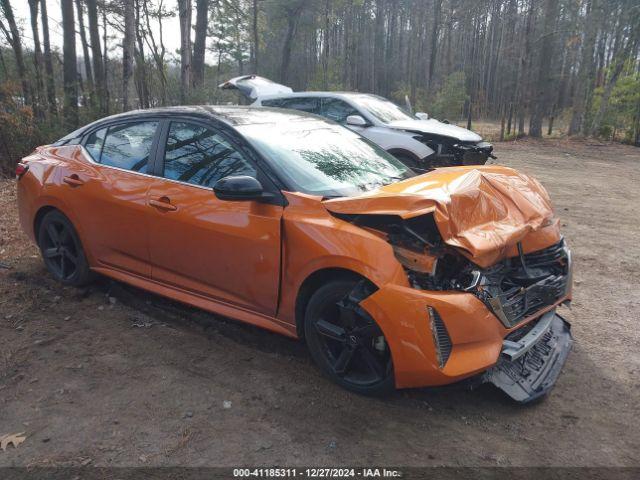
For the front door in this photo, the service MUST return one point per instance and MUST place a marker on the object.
(225, 250)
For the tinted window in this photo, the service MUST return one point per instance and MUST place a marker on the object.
(94, 143)
(275, 102)
(337, 110)
(128, 146)
(201, 156)
(305, 104)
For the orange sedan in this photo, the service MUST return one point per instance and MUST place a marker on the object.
(295, 224)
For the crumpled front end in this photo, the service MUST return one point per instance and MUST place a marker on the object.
(483, 211)
(485, 264)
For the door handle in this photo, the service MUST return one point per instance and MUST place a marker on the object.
(73, 180)
(163, 203)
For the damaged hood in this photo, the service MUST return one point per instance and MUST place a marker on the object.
(435, 127)
(484, 211)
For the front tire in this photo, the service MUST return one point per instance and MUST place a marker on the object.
(346, 343)
(62, 251)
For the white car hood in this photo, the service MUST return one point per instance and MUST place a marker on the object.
(437, 128)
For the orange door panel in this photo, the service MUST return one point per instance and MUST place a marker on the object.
(227, 250)
(111, 208)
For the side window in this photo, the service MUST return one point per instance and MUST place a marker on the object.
(274, 102)
(337, 110)
(201, 156)
(306, 104)
(128, 146)
(94, 143)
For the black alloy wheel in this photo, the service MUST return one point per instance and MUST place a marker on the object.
(346, 342)
(61, 250)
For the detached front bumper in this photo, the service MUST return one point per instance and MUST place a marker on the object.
(529, 367)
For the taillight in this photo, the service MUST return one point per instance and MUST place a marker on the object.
(21, 169)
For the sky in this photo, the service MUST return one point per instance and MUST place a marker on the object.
(171, 26)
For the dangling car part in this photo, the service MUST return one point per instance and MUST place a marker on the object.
(293, 223)
(422, 143)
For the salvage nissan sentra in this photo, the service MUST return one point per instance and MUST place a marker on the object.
(298, 225)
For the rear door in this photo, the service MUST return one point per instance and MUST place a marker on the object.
(226, 250)
(109, 193)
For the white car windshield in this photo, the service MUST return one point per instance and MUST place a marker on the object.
(382, 109)
(321, 158)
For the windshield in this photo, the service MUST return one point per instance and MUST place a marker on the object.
(382, 109)
(321, 158)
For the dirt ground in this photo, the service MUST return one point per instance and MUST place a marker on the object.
(113, 376)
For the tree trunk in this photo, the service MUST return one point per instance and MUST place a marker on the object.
(37, 57)
(293, 17)
(543, 78)
(105, 60)
(85, 49)
(157, 51)
(48, 61)
(96, 52)
(585, 79)
(199, 44)
(127, 52)
(523, 81)
(141, 64)
(13, 37)
(184, 12)
(256, 39)
(70, 70)
(437, 10)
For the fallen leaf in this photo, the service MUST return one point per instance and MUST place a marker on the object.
(13, 439)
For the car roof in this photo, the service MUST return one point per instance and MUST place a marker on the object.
(232, 115)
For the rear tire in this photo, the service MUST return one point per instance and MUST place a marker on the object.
(62, 251)
(346, 343)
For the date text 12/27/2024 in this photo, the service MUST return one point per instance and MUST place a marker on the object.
(325, 472)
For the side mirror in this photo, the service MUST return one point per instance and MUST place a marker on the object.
(422, 115)
(238, 188)
(357, 121)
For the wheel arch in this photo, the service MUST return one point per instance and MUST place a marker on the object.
(314, 281)
(40, 213)
(51, 204)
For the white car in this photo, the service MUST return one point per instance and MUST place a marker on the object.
(420, 142)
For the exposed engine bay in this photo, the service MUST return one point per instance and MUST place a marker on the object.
(450, 152)
(513, 289)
